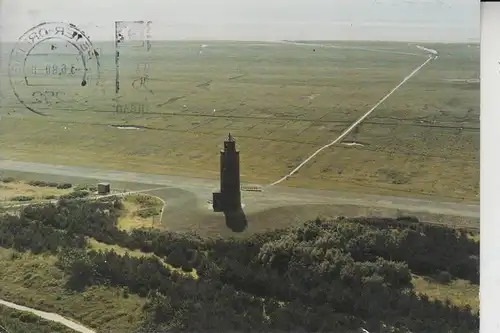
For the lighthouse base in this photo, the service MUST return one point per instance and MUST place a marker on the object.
(223, 203)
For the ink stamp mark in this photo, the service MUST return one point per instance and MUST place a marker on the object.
(53, 62)
(134, 37)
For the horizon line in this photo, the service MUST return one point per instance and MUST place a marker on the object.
(468, 41)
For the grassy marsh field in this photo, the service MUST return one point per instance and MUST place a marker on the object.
(280, 101)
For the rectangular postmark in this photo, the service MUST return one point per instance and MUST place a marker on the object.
(133, 61)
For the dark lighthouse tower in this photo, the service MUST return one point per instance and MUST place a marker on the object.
(229, 197)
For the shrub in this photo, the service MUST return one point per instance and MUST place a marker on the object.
(7, 180)
(22, 198)
(406, 218)
(38, 183)
(444, 277)
(143, 200)
(75, 195)
(82, 187)
(148, 212)
(41, 183)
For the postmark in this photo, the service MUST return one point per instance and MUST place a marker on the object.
(132, 41)
(54, 63)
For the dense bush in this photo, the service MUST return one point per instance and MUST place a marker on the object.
(90, 188)
(427, 249)
(7, 180)
(144, 200)
(41, 183)
(333, 276)
(75, 195)
(23, 235)
(22, 198)
(148, 212)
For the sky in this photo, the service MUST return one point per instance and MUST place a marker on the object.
(258, 20)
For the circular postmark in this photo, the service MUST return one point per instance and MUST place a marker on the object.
(54, 66)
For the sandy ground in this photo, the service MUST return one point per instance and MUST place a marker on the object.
(187, 200)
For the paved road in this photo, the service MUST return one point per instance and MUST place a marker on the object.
(202, 189)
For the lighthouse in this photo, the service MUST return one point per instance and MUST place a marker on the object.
(229, 197)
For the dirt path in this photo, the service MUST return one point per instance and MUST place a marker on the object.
(353, 126)
(54, 317)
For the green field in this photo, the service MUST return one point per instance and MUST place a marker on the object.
(281, 102)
